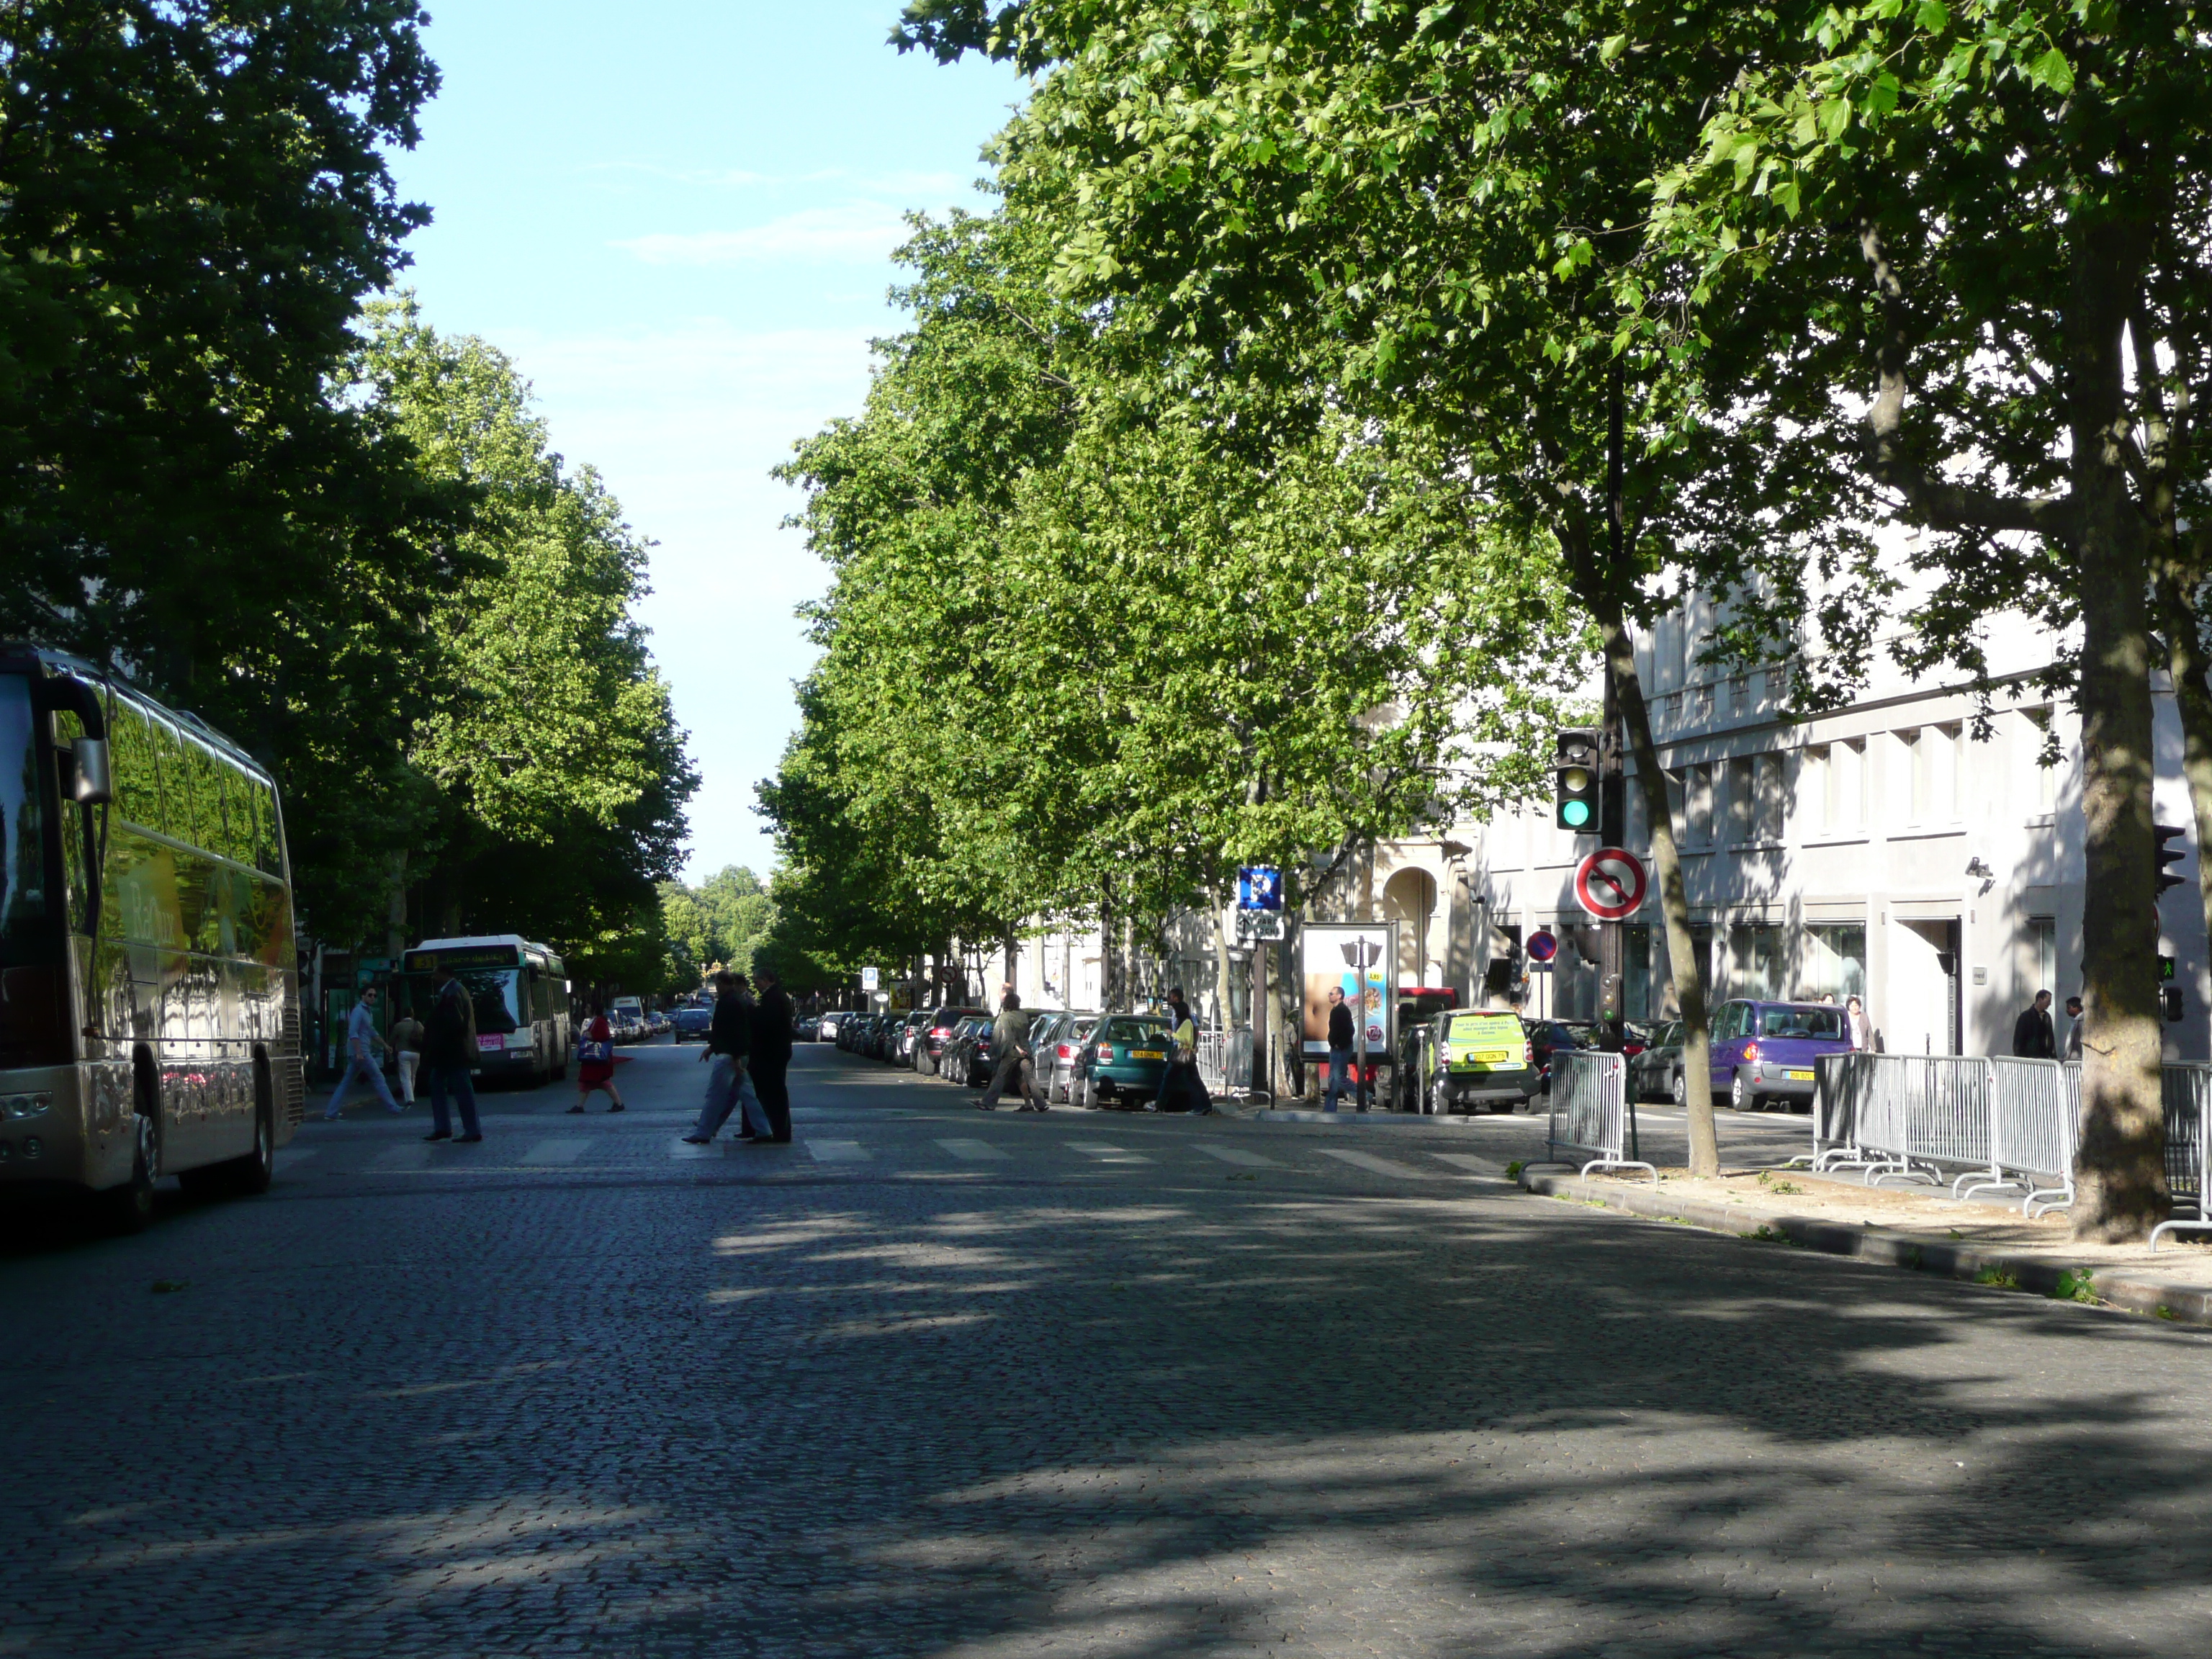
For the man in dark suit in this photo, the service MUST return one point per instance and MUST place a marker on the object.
(2031, 1036)
(771, 1057)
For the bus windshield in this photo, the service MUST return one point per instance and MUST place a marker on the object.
(496, 993)
(22, 841)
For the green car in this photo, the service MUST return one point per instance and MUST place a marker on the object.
(1482, 1059)
(1124, 1058)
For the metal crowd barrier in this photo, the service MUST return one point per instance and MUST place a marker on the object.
(1592, 1113)
(1225, 1060)
(2187, 1091)
(2006, 1124)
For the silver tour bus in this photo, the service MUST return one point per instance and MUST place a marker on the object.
(520, 992)
(149, 992)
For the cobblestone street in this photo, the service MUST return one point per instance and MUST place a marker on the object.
(936, 1383)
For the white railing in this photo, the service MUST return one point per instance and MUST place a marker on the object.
(1592, 1115)
(2187, 1091)
(1225, 1060)
(1992, 1124)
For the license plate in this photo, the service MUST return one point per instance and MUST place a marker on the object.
(1799, 1077)
(1492, 1056)
(1148, 1054)
(492, 1043)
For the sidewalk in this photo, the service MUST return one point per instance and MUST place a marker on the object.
(1914, 1227)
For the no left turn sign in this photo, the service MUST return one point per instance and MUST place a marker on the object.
(1610, 883)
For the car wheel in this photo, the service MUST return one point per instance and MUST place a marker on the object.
(1679, 1091)
(1741, 1095)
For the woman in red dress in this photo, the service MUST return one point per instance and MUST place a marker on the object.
(595, 1063)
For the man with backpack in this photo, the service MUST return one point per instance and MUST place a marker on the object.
(449, 1049)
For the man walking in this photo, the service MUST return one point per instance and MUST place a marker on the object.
(2076, 1025)
(2031, 1036)
(771, 1064)
(729, 1046)
(1010, 1041)
(449, 1049)
(1339, 1050)
(362, 1044)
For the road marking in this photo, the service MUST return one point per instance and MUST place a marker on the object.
(1472, 1164)
(1107, 1152)
(680, 1148)
(973, 1150)
(839, 1152)
(403, 1157)
(1379, 1165)
(1238, 1155)
(557, 1149)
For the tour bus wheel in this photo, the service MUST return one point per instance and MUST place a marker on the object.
(128, 1208)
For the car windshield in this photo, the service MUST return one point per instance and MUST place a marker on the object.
(1801, 1023)
(1132, 1028)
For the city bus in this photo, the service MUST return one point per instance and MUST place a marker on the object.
(150, 989)
(520, 992)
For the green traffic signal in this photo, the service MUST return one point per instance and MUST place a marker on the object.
(1574, 777)
(1574, 813)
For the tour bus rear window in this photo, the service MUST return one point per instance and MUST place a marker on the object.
(1826, 1022)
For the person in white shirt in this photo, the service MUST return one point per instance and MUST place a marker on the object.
(362, 1044)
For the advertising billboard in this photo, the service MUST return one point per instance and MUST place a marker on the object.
(1329, 953)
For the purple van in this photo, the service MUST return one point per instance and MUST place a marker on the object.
(1765, 1051)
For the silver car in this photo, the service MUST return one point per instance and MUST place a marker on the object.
(1057, 1043)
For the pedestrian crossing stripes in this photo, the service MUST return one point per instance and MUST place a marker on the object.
(1106, 1152)
(559, 1149)
(1472, 1164)
(839, 1152)
(413, 1156)
(1238, 1156)
(974, 1152)
(1379, 1165)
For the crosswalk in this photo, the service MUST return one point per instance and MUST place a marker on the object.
(584, 1154)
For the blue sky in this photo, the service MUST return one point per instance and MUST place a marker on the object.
(677, 217)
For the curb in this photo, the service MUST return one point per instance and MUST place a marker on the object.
(2127, 1288)
(1356, 1120)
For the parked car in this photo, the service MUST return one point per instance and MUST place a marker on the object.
(806, 1029)
(1123, 1060)
(830, 1025)
(935, 1032)
(956, 1063)
(691, 1024)
(910, 1028)
(1482, 1058)
(1059, 1045)
(1765, 1051)
(1655, 1073)
(1546, 1035)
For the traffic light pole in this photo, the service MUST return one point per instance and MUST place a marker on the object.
(1612, 833)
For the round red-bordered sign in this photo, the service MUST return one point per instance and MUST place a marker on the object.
(1610, 883)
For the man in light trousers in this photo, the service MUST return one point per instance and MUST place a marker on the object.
(362, 1044)
(729, 1046)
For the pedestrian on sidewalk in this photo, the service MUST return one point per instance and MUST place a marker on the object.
(1010, 1042)
(729, 1045)
(407, 1047)
(1181, 1088)
(362, 1045)
(2031, 1036)
(2076, 1025)
(771, 1059)
(595, 1063)
(449, 1049)
(1340, 1051)
(1862, 1028)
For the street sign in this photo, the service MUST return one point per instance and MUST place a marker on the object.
(1610, 883)
(1543, 946)
(868, 980)
(1264, 926)
(1259, 887)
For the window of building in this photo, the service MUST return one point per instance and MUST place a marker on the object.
(1767, 798)
(1920, 795)
(1950, 772)
(2039, 956)
(2042, 768)
(1756, 966)
(1740, 795)
(1698, 812)
(1835, 961)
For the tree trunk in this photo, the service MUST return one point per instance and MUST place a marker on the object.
(2120, 1190)
(1673, 898)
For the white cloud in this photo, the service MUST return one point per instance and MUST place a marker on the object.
(856, 232)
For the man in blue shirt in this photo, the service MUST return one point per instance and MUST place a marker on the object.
(363, 1043)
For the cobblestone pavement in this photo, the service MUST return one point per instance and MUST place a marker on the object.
(937, 1383)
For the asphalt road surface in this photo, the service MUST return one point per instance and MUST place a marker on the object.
(934, 1382)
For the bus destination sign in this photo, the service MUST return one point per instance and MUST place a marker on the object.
(462, 958)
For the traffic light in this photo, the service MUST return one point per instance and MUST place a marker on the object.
(2169, 853)
(1575, 781)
